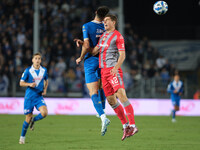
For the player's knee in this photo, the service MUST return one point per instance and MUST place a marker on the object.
(177, 108)
(44, 113)
(122, 95)
(111, 100)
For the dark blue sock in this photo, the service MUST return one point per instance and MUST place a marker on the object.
(102, 97)
(24, 128)
(173, 114)
(38, 117)
(97, 104)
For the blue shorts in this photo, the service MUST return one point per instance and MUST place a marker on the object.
(176, 102)
(29, 104)
(92, 70)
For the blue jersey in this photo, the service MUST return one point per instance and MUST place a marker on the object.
(31, 75)
(92, 31)
(175, 86)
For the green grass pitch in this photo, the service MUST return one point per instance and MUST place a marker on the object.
(83, 133)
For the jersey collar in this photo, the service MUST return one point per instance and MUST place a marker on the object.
(96, 21)
(36, 69)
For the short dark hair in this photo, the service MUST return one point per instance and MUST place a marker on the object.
(113, 18)
(37, 54)
(102, 11)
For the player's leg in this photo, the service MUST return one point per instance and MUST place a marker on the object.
(24, 128)
(93, 91)
(91, 78)
(118, 86)
(28, 109)
(121, 94)
(41, 106)
(101, 93)
(174, 110)
(93, 88)
(117, 107)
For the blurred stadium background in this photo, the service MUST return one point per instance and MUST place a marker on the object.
(156, 45)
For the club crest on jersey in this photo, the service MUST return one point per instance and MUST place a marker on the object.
(104, 39)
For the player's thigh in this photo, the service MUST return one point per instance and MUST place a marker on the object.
(92, 87)
(28, 106)
(90, 67)
(107, 87)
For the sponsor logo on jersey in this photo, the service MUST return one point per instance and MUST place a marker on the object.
(100, 31)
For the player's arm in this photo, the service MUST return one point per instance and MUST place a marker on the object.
(23, 80)
(85, 44)
(46, 83)
(122, 56)
(94, 51)
(169, 89)
(84, 51)
(25, 84)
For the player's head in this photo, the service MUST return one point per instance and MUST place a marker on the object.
(176, 77)
(110, 22)
(101, 12)
(37, 59)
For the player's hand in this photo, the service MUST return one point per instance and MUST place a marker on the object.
(78, 42)
(113, 71)
(32, 84)
(78, 60)
(44, 92)
(175, 91)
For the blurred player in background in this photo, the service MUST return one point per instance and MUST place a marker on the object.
(175, 88)
(91, 33)
(111, 49)
(35, 78)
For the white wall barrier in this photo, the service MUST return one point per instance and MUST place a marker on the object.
(81, 106)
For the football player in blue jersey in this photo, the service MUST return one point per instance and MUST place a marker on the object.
(35, 78)
(91, 33)
(175, 88)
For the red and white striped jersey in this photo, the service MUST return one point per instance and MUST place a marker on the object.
(110, 43)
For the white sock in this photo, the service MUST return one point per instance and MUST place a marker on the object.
(103, 117)
(132, 125)
(22, 137)
(125, 125)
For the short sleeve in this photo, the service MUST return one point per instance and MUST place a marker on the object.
(85, 32)
(24, 76)
(120, 43)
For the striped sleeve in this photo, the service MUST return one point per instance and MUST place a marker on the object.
(120, 43)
